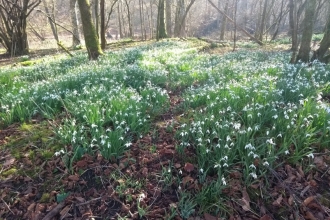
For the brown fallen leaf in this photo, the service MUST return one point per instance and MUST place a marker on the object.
(290, 200)
(308, 200)
(73, 177)
(187, 179)
(188, 167)
(246, 200)
(310, 216)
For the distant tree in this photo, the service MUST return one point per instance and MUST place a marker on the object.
(168, 11)
(307, 34)
(90, 35)
(50, 12)
(13, 21)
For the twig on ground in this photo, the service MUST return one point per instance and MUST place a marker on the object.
(54, 211)
(7, 206)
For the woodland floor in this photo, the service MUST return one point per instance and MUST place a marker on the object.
(35, 189)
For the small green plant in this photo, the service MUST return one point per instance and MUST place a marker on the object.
(186, 205)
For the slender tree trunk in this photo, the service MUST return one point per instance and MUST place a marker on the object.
(308, 28)
(97, 20)
(263, 20)
(161, 30)
(130, 25)
(293, 29)
(141, 18)
(224, 22)
(168, 16)
(102, 25)
(90, 35)
(119, 22)
(74, 21)
(235, 24)
(51, 19)
(325, 43)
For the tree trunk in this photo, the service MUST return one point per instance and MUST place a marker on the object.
(325, 43)
(129, 18)
(263, 20)
(74, 21)
(141, 18)
(90, 35)
(51, 19)
(224, 22)
(102, 14)
(161, 31)
(119, 22)
(293, 29)
(308, 28)
(180, 18)
(168, 9)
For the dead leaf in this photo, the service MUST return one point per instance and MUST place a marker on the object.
(310, 216)
(209, 217)
(187, 179)
(73, 177)
(177, 165)
(246, 200)
(265, 217)
(319, 162)
(82, 164)
(278, 201)
(309, 200)
(188, 167)
(65, 212)
(9, 162)
(290, 200)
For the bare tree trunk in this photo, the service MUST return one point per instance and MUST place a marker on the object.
(90, 35)
(180, 17)
(161, 30)
(97, 20)
(224, 22)
(141, 18)
(263, 20)
(235, 24)
(74, 21)
(293, 29)
(130, 25)
(119, 22)
(168, 17)
(102, 25)
(51, 18)
(308, 28)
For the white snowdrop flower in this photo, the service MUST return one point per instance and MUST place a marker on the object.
(94, 126)
(201, 170)
(121, 138)
(249, 129)
(217, 146)
(308, 135)
(249, 116)
(225, 165)
(259, 114)
(311, 155)
(266, 164)
(223, 181)
(74, 140)
(275, 116)
(207, 150)
(169, 170)
(254, 175)
(267, 133)
(217, 165)
(249, 146)
(228, 138)
(231, 144)
(180, 172)
(128, 144)
(287, 152)
(199, 139)
(225, 158)
(94, 140)
(288, 127)
(279, 135)
(226, 146)
(252, 166)
(286, 117)
(270, 141)
(256, 127)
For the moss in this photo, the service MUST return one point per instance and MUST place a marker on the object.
(26, 127)
(9, 172)
(45, 198)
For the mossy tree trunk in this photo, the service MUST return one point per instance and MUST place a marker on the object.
(90, 35)
(161, 30)
(308, 27)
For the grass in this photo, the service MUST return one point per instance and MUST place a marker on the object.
(246, 112)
